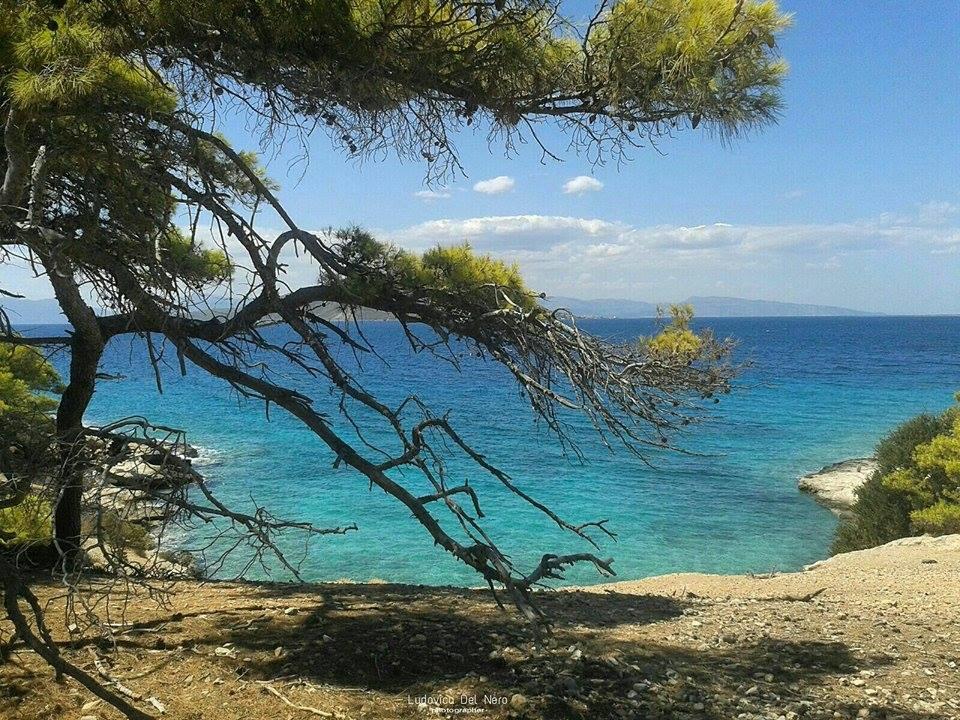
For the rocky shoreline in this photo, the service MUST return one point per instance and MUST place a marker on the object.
(835, 486)
(124, 495)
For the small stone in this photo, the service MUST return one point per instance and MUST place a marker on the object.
(858, 682)
(863, 713)
(291, 611)
(568, 685)
(698, 706)
(88, 717)
(278, 651)
(768, 678)
(87, 707)
(752, 690)
(518, 701)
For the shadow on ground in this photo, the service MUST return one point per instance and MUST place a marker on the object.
(373, 652)
(596, 663)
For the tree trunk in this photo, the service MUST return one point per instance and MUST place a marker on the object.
(84, 360)
(86, 350)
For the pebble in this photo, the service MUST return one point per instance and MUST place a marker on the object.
(518, 702)
(291, 611)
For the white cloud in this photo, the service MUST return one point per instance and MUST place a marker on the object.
(582, 184)
(793, 194)
(495, 186)
(431, 195)
(606, 250)
(508, 232)
(542, 233)
(936, 212)
(556, 252)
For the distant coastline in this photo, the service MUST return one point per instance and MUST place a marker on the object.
(47, 311)
(703, 306)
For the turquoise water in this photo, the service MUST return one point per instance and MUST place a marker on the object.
(819, 390)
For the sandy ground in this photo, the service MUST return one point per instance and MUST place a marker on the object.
(869, 634)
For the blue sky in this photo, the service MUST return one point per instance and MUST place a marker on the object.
(852, 199)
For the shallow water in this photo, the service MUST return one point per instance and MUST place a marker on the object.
(818, 390)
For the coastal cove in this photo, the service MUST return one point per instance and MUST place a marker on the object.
(817, 390)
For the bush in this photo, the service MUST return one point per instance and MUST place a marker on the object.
(895, 451)
(879, 516)
(118, 533)
(942, 518)
(916, 489)
(30, 521)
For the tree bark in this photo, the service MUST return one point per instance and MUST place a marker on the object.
(86, 350)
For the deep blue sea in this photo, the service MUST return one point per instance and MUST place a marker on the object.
(818, 390)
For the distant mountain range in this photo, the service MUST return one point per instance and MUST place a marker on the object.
(32, 312)
(47, 312)
(710, 306)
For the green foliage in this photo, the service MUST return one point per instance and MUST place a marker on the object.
(29, 521)
(916, 489)
(879, 516)
(109, 167)
(96, 84)
(26, 439)
(66, 61)
(942, 518)
(676, 338)
(457, 269)
(477, 281)
(117, 533)
(710, 61)
(688, 50)
(24, 376)
(895, 451)
(191, 263)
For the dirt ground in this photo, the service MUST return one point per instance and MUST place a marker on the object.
(874, 634)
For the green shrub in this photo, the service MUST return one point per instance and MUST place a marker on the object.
(916, 489)
(942, 518)
(118, 533)
(895, 451)
(29, 521)
(879, 516)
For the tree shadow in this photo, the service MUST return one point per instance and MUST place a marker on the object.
(595, 664)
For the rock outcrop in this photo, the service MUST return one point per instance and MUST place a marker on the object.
(835, 485)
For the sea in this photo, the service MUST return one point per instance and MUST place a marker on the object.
(814, 391)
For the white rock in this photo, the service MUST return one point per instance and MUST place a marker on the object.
(835, 485)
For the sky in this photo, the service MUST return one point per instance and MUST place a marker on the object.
(852, 199)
